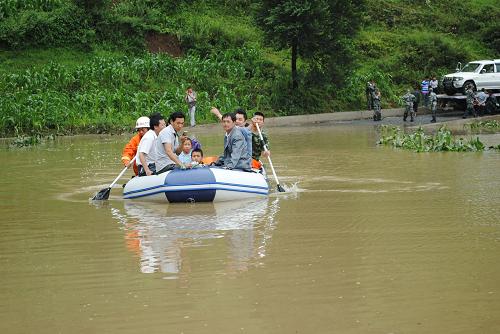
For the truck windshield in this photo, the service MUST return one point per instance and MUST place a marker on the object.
(470, 67)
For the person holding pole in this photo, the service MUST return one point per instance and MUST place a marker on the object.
(260, 146)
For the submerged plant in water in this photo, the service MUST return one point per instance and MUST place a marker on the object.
(489, 125)
(418, 141)
(23, 141)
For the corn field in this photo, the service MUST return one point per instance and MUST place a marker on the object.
(109, 93)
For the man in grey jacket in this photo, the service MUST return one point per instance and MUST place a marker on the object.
(235, 146)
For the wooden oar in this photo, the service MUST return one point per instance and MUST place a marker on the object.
(280, 188)
(103, 194)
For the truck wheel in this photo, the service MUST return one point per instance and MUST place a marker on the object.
(470, 82)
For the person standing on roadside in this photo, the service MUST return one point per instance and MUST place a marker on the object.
(130, 150)
(481, 102)
(370, 88)
(434, 84)
(491, 103)
(146, 156)
(469, 99)
(190, 99)
(425, 91)
(433, 99)
(377, 107)
(409, 100)
(168, 144)
(416, 93)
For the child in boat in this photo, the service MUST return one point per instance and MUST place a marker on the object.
(197, 158)
(185, 155)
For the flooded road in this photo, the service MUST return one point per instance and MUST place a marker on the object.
(367, 239)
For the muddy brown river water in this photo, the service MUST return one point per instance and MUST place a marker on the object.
(367, 239)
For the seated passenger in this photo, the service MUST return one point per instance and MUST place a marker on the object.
(241, 118)
(167, 144)
(130, 150)
(145, 156)
(235, 154)
(185, 155)
(197, 157)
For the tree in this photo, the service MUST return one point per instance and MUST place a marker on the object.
(310, 28)
(93, 8)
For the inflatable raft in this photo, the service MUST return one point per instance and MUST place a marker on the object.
(207, 184)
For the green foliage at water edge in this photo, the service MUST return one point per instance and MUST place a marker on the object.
(419, 141)
(488, 126)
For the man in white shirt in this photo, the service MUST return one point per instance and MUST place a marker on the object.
(434, 84)
(167, 144)
(146, 151)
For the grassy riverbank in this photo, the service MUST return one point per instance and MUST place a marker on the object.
(67, 68)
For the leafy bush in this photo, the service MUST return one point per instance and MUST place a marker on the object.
(64, 24)
(488, 126)
(11, 8)
(418, 141)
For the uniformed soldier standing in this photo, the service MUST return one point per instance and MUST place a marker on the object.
(377, 115)
(470, 96)
(370, 88)
(408, 100)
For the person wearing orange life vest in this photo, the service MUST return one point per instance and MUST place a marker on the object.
(130, 150)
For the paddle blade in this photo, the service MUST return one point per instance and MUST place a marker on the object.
(280, 189)
(102, 195)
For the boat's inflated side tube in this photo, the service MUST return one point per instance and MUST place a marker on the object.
(198, 176)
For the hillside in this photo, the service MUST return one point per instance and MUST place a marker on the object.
(95, 66)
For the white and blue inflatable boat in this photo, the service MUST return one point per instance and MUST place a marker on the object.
(207, 184)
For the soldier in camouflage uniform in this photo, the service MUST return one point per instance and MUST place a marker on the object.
(370, 89)
(377, 115)
(470, 96)
(408, 100)
(257, 144)
(433, 99)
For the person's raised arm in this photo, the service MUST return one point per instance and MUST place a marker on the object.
(216, 112)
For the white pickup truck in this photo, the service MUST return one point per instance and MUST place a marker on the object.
(481, 74)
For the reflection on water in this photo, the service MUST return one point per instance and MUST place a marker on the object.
(160, 233)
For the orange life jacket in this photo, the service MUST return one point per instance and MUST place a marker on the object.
(130, 150)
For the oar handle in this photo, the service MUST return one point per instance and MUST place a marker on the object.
(121, 174)
(268, 156)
